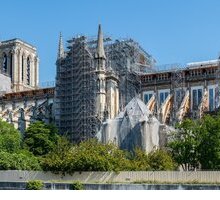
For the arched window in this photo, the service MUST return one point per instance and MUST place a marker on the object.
(5, 63)
(28, 70)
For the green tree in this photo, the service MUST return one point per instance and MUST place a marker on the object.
(90, 155)
(40, 138)
(10, 138)
(184, 144)
(209, 146)
(56, 160)
(161, 160)
(18, 161)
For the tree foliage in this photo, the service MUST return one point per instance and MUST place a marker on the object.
(87, 156)
(209, 146)
(197, 143)
(94, 156)
(77, 186)
(34, 185)
(18, 161)
(140, 161)
(56, 160)
(10, 138)
(184, 144)
(161, 160)
(40, 138)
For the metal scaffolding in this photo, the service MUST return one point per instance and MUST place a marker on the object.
(76, 82)
(128, 60)
(76, 91)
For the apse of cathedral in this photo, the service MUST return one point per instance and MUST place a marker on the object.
(106, 89)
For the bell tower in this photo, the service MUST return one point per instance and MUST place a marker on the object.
(19, 61)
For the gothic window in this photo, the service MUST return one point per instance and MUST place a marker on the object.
(5, 63)
(179, 93)
(211, 99)
(28, 71)
(147, 97)
(196, 98)
(163, 95)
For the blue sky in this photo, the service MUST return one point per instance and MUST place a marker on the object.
(173, 31)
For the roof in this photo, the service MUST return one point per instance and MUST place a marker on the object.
(19, 41)
(135, 107)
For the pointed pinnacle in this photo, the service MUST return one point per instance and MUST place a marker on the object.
(60, 47)
(100, 45)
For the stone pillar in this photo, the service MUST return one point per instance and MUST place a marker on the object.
(24, 69)
(100, 95)
(20, 68)
(32, 74)
(109, 98)
(116, 100)
(14, 67)
(36, 71)
(14, 80)
(8, 63)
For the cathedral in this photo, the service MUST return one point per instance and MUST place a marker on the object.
(106, 89)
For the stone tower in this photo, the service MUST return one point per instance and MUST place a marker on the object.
(100, 64)
(19, 61)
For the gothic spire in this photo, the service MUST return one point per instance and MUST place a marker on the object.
(60, 53)
(100, 46)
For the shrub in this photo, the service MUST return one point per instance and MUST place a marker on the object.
(87, 156)
(140, 160)
(161, 160)
(34, 185)
(77, 186)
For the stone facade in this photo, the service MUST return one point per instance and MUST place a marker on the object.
(23, 108)
(5, 85)
(19, 61)
(194, 92)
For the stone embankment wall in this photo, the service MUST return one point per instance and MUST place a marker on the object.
(67, 186)
(113, 177)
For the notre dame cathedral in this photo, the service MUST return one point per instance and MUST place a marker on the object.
(106, 89)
